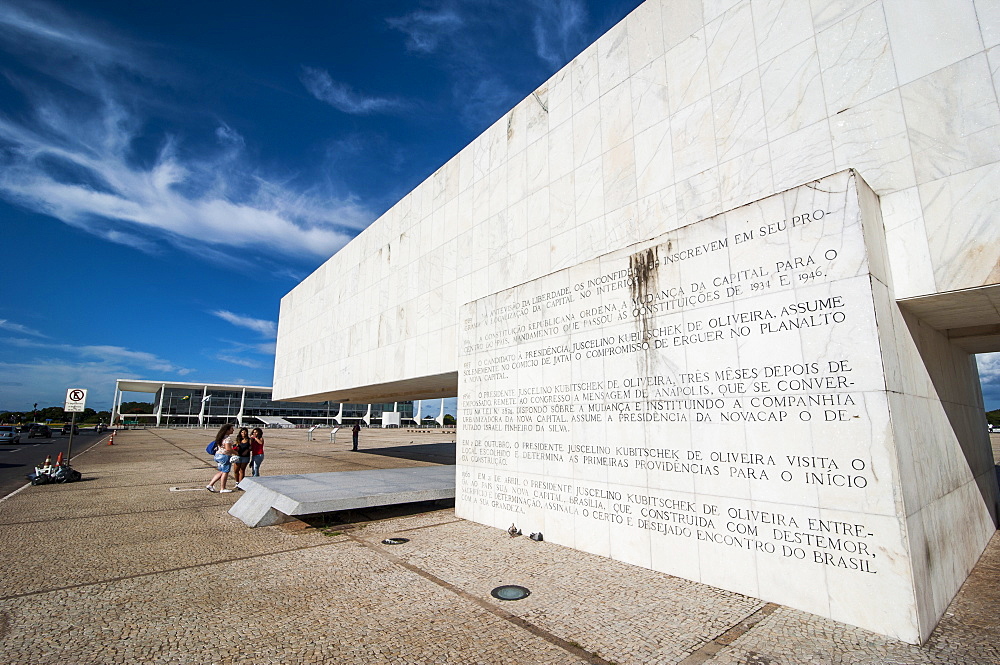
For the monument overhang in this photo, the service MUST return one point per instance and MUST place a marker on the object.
(425, 387)
(969, 318)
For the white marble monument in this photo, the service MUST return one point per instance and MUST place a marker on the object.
(739, 403)
(683, 111)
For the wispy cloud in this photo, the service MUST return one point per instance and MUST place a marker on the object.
(19, 329)
(471, 40)
(559, 29)
(45, 381)
(44, 28)
(343, 98)
(104, 354)
(80, 154)
(44, 370)
(425, 29)
(236, 360)
(262, 326)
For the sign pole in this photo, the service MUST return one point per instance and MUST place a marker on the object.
(76, 399)
(69, 448)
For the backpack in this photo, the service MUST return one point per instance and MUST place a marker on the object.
(211, 447)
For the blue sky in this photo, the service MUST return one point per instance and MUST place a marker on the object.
(168, 171)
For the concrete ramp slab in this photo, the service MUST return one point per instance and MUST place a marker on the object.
(274, 499)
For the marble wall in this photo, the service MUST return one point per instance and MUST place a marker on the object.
(683, 110)
(740, 403)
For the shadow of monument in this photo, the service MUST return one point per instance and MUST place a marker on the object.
(436, 453)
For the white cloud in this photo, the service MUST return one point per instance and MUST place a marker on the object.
(106, 354)
(989, 378)
(235, 360)
(343, 98)
(75, 156)
(130, 205)
(46, 382)
(267, 348)
(265, 328)
(45, 28)
(18, 328)
(558, 29)
(424, 29)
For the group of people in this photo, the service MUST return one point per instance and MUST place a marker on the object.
(235, 454)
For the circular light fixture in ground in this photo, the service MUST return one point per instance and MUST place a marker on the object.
(510, 592)
(395, 541)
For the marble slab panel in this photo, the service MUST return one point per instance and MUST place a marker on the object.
(718, 392)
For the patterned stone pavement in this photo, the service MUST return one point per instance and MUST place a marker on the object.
(138, 564)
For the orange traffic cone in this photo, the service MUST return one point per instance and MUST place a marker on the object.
(59, 458)
(111, 439)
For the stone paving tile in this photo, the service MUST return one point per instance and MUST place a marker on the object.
(624, 613)
(86, 550)
(341, 603)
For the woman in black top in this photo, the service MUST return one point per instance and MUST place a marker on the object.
(241, 455)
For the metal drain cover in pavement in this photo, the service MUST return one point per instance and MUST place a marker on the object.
(395, 541)
(510, 592)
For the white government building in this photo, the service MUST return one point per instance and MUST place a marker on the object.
(198, 404)
(708, 298)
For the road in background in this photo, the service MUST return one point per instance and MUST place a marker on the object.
(18, 460)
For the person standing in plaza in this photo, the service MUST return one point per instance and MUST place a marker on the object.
(256, 450)
(355, 432)
(223, 453)
(241, 455)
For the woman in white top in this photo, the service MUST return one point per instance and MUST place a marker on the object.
(223, 452)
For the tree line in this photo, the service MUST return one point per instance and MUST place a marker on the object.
(56, 414)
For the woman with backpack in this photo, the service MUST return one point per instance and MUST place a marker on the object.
(223, 453)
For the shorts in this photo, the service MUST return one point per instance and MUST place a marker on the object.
(222, 460)
(236, 459)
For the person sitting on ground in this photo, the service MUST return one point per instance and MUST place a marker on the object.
(223, 453)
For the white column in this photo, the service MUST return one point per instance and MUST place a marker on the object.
(416, 414)
(114, 405)
(159, 406)
(368, 416)
(340, 415)
(440, 418)
(239, 416)
(204, 401)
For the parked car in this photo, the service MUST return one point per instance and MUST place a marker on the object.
(9, 434)
(65, 429)
(39, 431)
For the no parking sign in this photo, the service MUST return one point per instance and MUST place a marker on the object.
(76, 399)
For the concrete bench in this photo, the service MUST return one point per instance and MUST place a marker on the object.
(271, 500)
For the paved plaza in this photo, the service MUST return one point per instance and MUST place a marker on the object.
(139, 564)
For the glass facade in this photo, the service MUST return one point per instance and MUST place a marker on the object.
(182, 406)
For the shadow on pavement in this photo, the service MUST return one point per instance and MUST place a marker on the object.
(437, 453)
(349, 519)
